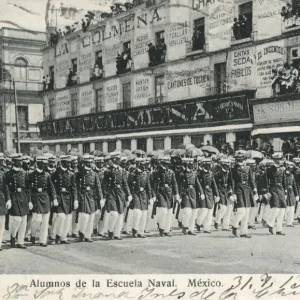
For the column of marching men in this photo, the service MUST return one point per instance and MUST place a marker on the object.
(49, 200)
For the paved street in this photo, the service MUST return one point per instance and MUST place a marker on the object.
(217, 253)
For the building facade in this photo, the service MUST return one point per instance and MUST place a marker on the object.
(21, 62)
(172, 71)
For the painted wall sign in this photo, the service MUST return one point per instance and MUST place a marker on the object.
(86, 100)
(63, 104)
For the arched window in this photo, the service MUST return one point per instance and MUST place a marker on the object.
(20, 69)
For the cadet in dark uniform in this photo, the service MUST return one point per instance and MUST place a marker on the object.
(211, 193)
(165, 188)
(89, 193)
(117, 197)
(223, 177)
(244, 185)
(16, 182)
(65, 186)
(4, 194)
(190, 191)
(42, 193)
(278, 190)
(139, 184)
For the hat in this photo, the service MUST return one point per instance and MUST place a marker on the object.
(124, 159)
(16, 156)
(65, 158)
(165, 159)
(225, 161)
(88, 158)
(41, 159)
(296, 160)
(139, 159)
(277, 155)
(107, 157)
(250, 161)
(187, 160)
(115, 154)
(290, 164)
(240, 153)
(99, 158)
(207, 160)
(74, 158)
(26, 159)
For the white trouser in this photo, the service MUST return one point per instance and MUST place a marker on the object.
(139, 220)
(227, 216)
(298, 211)
(189, 216)
(97, 219)
(165, 218)
(242, 215)
(115, 223)
(149, 213)
(128, 225)
(180, 215)
(290, 212)
(264, 213)
(220, 213)
(66, 227)
(18, 225)
(40, 221)
(28, 226)
(85, 224)
(103, 227)
(2, 229)
(276, 213)
(253, 215)
(75, 225)
(57, 225)
(204, 218)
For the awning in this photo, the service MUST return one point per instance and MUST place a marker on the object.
(274, 130)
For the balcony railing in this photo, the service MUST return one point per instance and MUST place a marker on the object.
(290, 23)
(187, 113)
(194, 47)
(235, 40)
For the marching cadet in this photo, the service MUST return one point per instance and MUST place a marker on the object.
(99, 170)
(26, 163)
(166, 188)
(118, 197)
(278, 190)
(190, 190)
(178, 170)
(255, 205)
(224, 181)
(32, 164)
(244, 184)
(211, 196)
(139, 184)
(292, 193)
(42, 193)
(51, 166)
(296, 161)
(263, 193)
(73, 228)
(16, 182)
(65, 186)
(4, 197)
(89, 193)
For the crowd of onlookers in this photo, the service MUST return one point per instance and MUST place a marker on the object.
(242, 27)
(285, 79)
(157, 54)
(291, 15)
(291, 146)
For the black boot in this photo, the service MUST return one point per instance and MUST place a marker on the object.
(57, 240)
(110, 235)
(198, 227)
(32, 240)
(161, 232)
(234, 230)
(81, 236)
(245, 236)
(21, 246)
(270, 229)
(185, 230)
(179, 224)
(95, 232)
(280, 233)
(216, 226)
(13, 241)
(191, 233)
(134, 233)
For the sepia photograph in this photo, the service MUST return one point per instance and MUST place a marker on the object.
(149, 137)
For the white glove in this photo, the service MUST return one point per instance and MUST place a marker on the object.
(30, 206)
(297, 198)
(129, 198)
(177, 198)
(55, 202)
(8, 204)
(235, 197)
(102, 203)
(202, 197)
(151, 202)
(76, 204)
(217, 199)
(256, 197)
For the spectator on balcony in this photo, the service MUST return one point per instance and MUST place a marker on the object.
(123, 61)
(97, 71)
(44, 83)
(161, 49)
(48, 82)
(152, 54)
(83, 25)
(198, 39)
(236, 29)
(119, 63)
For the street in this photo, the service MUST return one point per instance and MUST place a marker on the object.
(202, 254)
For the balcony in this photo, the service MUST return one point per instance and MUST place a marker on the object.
(157, 100)
(290, 23)
(96, 74)
(242, 36)
(157, 54)
(195, 46)
(208, 111)
(124, 62)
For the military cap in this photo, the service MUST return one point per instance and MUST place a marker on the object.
(65, 158)
(165, 159)
(16, 156)
(115, 154)
(225, 161)
(88, 158)
(296, 160)
(290, 164)
(41, 159)
(99, 158)
(277, 155)
(26, 159)
(187, 160)
(107, 157)
(250, 161)
(200, 158)
(74, 158)
(207, 160)
(139, 159)
(240, 153)
(124, 159)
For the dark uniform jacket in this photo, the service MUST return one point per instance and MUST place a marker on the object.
(165, 187)
(116, 190)
(66, 191)
(263, 185)
(17, 184)
(244, 185)
(209, 187)
(139, 185)
(292, 191)
(88, 190)
(224, 182)
(189, 188)
(3, 193)
(41, 191)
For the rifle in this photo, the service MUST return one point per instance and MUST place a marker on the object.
(155, 203)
